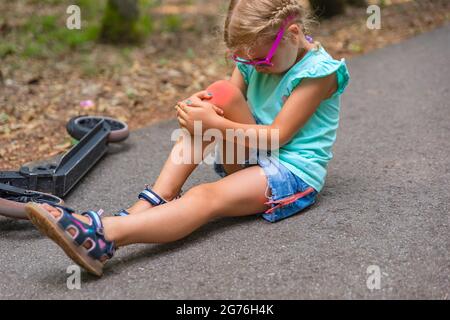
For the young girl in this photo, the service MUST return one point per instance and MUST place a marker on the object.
(283, 83)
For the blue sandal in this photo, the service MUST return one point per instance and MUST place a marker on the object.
(57, 229)
(151, 197)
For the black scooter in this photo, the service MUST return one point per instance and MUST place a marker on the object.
(49, 181)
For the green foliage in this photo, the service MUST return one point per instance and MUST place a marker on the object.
(163, 62)
(7, 49)
(4, 118)
(356, 48)
(33, 50)
(45, 36)
(91, 10)
(190, 53)
(172, 23)
(122, 26)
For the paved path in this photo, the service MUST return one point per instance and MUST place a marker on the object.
(387, 203)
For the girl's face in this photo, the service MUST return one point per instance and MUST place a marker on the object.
(285, 57)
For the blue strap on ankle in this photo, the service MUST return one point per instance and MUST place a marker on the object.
(151, 197)
(148, 195)
(122, 213)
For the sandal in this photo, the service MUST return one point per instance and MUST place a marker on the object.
(57, 229)
(151, 197)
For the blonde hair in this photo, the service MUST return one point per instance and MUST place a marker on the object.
(250, 22)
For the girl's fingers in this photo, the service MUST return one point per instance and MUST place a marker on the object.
(182, 122)
(204, 95)
(218, 110)
(181, 111)
(196, 99)
(195, 104)
(177, 108)
(191, 100)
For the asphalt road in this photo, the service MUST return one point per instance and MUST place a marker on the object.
(386, 203)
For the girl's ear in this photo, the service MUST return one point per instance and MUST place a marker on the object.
(294, 32)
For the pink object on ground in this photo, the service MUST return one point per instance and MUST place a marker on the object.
(87, 104)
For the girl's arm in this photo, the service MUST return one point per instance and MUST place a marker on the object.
(300, 106)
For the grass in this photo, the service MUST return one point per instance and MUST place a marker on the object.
(44, 34)
(7, 49)
(172, 23)
(47, 36)
(3, 118)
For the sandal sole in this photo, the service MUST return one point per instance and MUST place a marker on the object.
(48, 226)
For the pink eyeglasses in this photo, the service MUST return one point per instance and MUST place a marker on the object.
(268, 60)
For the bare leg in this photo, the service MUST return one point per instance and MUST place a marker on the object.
(240, 194)
(173, 175)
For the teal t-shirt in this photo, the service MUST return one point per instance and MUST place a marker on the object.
(308, 153)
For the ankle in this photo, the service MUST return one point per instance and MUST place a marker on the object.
(108, 229)
(165, 193)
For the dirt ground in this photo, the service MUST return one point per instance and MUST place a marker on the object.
(141, 85)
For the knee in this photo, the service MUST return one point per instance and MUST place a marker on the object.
(226, 95)
(230, 99)
(205, 193)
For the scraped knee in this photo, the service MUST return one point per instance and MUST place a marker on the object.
(230, 99)
(225, 94)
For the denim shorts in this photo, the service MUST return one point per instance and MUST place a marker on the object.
(290, 194)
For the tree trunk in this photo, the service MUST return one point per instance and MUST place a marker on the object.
(357, 3)
(120, 22)
(327, 8)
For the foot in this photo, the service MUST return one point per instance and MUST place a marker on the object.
(57, 214)
(83, 241)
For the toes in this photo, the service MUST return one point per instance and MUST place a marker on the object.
(52, 210)
(56, 213)
(45, 206)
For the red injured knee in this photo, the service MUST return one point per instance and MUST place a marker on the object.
(225, 93)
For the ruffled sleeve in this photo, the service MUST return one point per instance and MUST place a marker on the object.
(319, 69)
(246, 71)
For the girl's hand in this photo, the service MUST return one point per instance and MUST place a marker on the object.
(202, 111)
(202, 96)
(193, 101)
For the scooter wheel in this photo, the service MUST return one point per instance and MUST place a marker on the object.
(79, 126)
